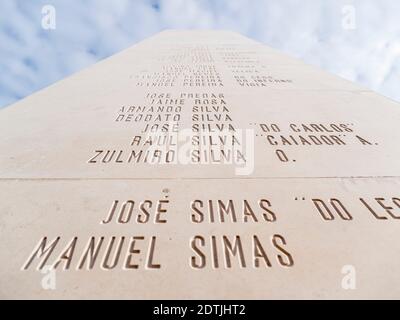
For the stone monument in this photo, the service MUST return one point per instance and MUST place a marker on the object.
(200, 165)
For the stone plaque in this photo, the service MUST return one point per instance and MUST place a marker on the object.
(200, 165)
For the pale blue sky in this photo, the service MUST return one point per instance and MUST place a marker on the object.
(32, 58)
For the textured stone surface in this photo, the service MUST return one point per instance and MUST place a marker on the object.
(310, 207)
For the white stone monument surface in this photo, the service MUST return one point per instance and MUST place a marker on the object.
(200, 165)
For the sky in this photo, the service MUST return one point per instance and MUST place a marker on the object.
(355, 39)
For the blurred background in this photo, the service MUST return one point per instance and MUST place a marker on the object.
(42, 42)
